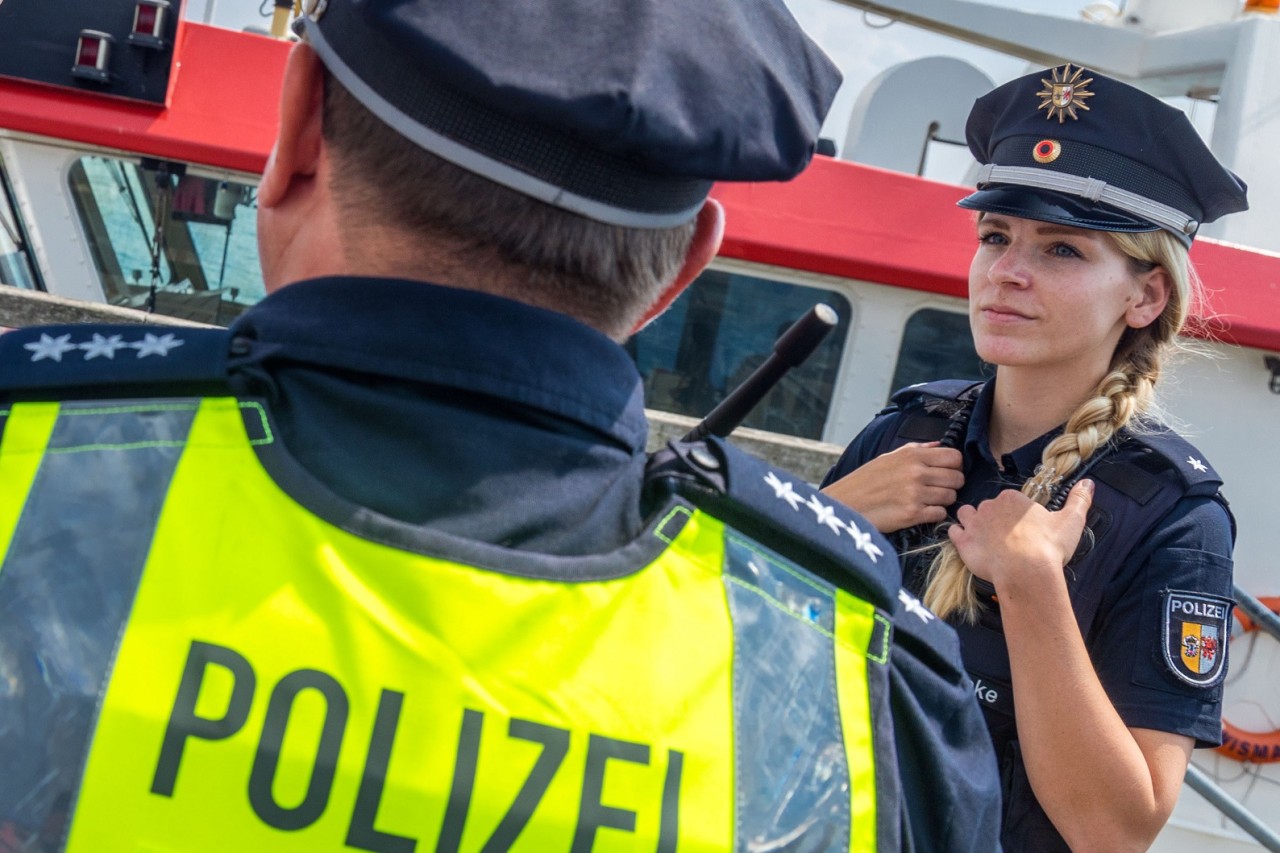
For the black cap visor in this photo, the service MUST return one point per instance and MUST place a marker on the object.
(1059, 208)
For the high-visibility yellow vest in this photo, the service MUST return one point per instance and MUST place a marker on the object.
(198, 662)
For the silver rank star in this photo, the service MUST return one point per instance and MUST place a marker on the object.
(913, 605)
(155, 344)
(863, 542)
(825, 515)
(50, 347)
(102, 346)
(1191, 460)
(783, 490)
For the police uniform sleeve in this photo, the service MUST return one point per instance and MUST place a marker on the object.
(1160, 644)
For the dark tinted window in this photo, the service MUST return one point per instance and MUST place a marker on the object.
(724, 327)
(937, 344)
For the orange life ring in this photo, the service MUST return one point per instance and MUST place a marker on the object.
(1255, 747)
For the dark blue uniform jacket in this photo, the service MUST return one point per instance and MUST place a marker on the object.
(488, 420)
(1160, 539)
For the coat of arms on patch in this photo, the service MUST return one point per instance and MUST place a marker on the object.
(1195, 636)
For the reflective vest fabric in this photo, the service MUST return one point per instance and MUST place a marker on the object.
(196, 662)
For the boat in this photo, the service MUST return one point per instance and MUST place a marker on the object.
(132, 138)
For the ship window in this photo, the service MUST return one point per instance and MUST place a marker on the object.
(206, 267)
(936, 344)
(15, 266)
(719, 331)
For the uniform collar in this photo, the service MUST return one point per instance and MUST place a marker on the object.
(443, 336)
(1021, 463)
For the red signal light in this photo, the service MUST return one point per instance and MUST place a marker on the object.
(93, 55)
(148, 24)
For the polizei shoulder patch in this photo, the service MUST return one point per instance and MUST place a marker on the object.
(1195, 636)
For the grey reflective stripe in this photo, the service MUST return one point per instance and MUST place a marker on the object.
(67, 585)
(1091, 189)
(792, 776)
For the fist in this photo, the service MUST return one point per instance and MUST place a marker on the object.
(911, 485)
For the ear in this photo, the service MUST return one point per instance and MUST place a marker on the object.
(298, 142)
(707, 234)
(1151, 296)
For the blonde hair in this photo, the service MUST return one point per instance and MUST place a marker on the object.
(1124, 394)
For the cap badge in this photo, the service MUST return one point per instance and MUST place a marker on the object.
(1065, 93)
(1046, 150)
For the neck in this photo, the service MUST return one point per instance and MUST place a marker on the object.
(442, 259)
(1026, 406)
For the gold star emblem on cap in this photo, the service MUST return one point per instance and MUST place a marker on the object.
(1065, 93)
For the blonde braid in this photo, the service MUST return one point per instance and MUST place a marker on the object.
(1126, 393)
(1117, 399)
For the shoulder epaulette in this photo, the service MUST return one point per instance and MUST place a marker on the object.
(1154, 469)
(927, 410)
(943, 389)
(1162, 451)
(47, 358)
(782, 512)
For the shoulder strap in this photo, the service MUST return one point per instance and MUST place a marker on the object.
(1164, 460)
(1164, 469)
(781, 512)
(123, 358)
(1170, 451)
(932, 411)
(942, 389)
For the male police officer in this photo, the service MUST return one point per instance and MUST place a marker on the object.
(381, 567)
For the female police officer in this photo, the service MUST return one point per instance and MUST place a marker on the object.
(1089, 194)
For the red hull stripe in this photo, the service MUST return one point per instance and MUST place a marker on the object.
(838, 218)
(860, 222)
(221, 110)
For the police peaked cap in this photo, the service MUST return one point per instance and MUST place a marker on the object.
(1070, 146)
(624, 111)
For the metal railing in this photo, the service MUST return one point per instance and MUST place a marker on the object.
(1199, 781)
(1258, 612)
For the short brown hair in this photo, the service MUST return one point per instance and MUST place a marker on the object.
(605, 275)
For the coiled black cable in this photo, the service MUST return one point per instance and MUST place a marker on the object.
(913, 538)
